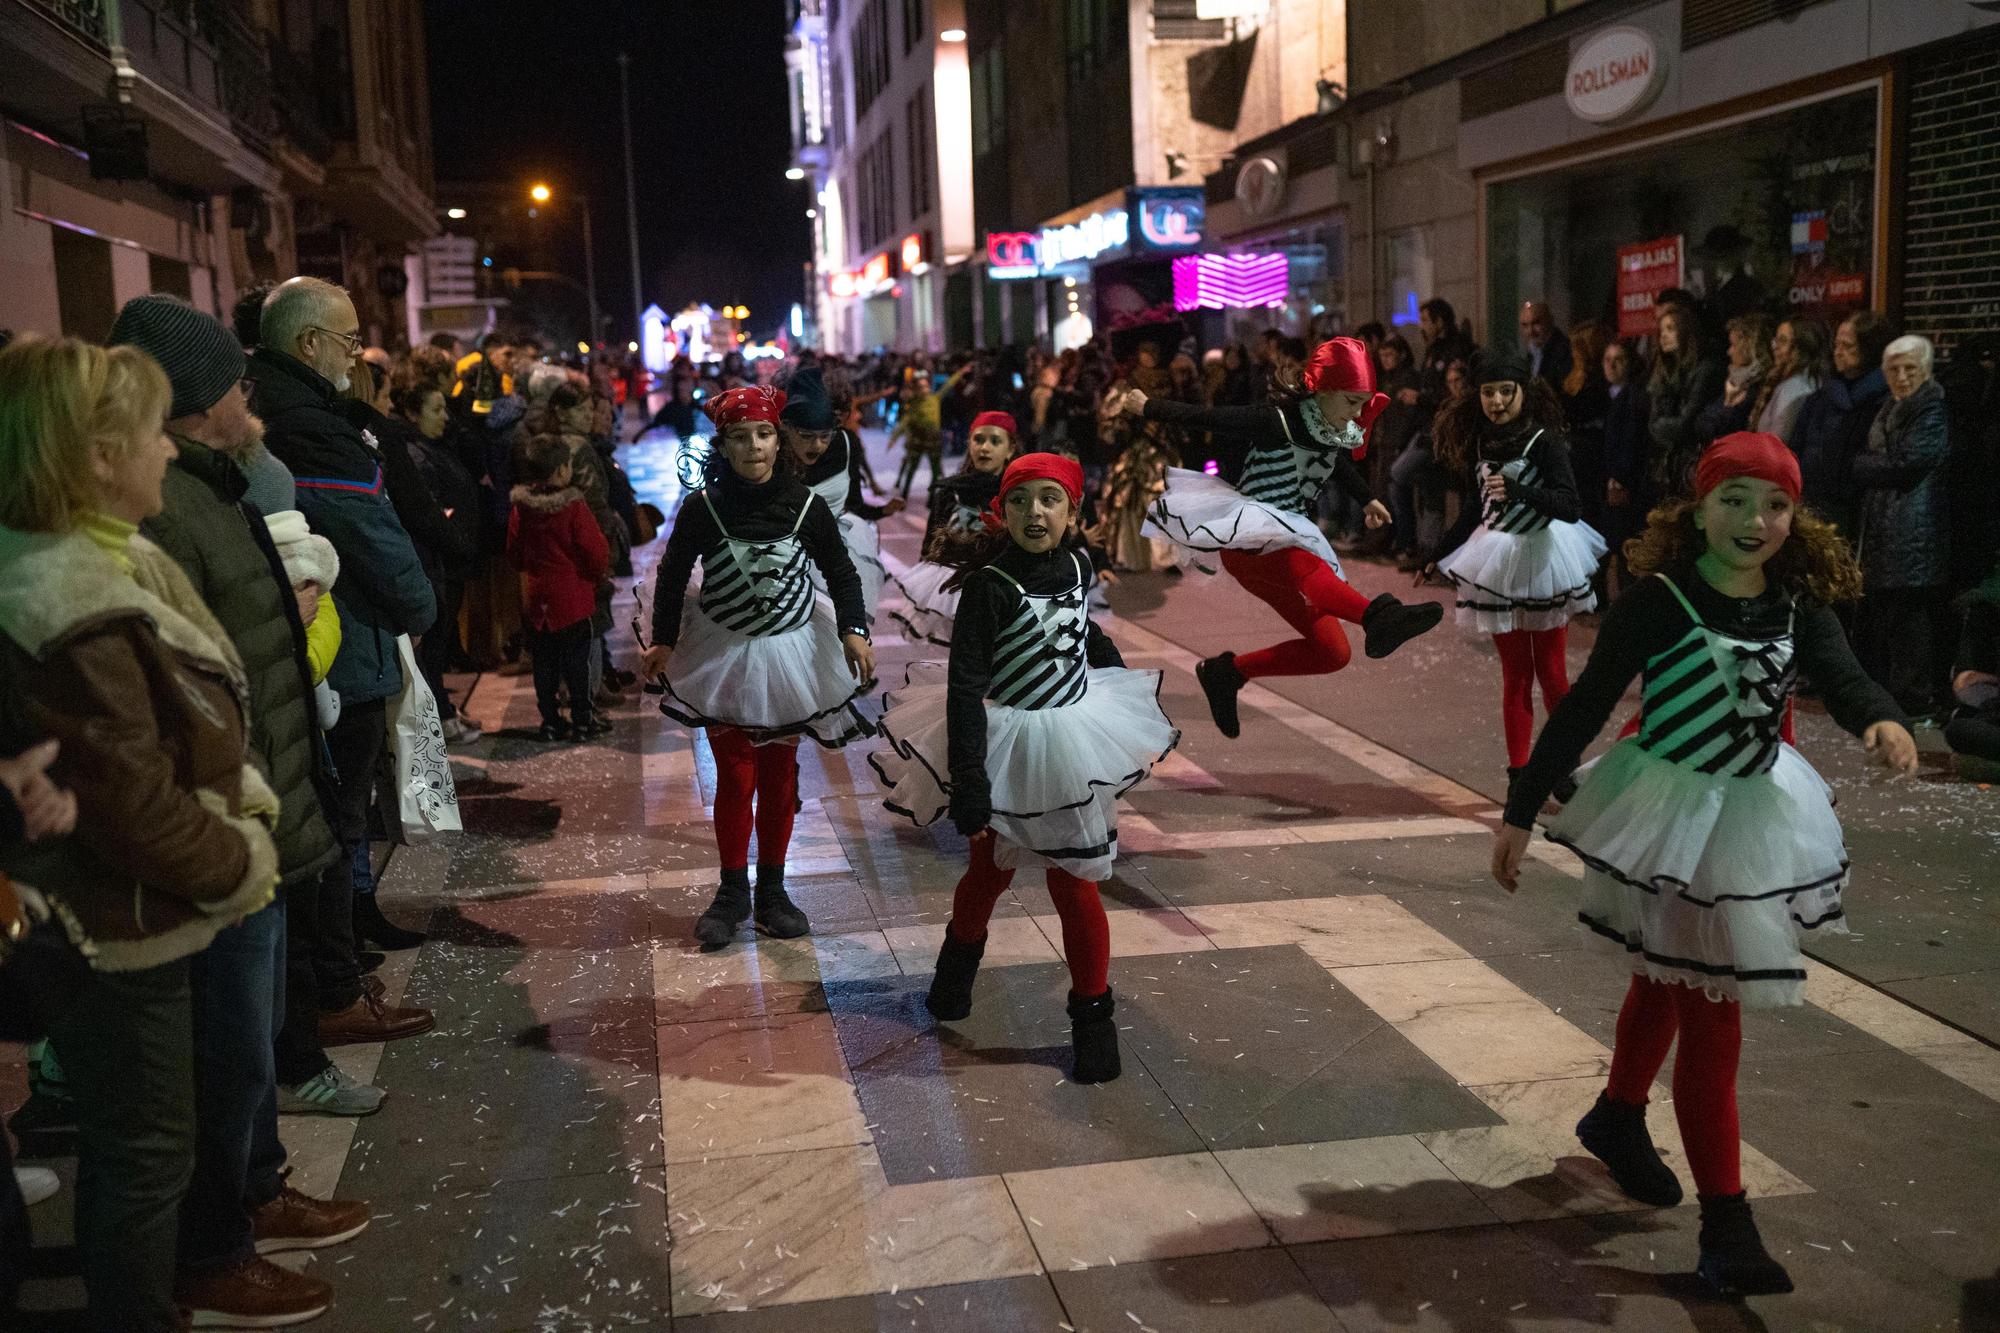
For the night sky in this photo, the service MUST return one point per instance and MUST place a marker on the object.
(521, 91)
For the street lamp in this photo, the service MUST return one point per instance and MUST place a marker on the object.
(541, 194)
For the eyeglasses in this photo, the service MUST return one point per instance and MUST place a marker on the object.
(353, 340)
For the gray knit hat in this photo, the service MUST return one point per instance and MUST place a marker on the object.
(201, 356)
(271, 489)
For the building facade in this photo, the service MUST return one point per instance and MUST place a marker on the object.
(881, 120)
(162, 145)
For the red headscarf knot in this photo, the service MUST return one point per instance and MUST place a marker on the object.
(1064, 472)
(1748, 453)
(1004, 420)
(749, 402)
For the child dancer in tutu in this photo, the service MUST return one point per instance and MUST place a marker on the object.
(828, 457)
(1028, 739)
(761, 661)
(1711, 845)
(1521, 561)
(1263, 526)
(957, 504)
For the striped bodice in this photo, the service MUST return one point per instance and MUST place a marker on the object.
(833, 489)
(1716, 703)
(757, 588)
(1291, 475)
(1038, 655)
(1512, 515)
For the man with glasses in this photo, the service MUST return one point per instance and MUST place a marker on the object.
(307, 355)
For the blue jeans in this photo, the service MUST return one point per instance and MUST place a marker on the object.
(239, 988)
(1404, 500)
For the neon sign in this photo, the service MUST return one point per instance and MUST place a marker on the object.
(1230, 282)
(1080, 242)
(874, 273)
(913, 253)
(1012, 254)
(1170, 218)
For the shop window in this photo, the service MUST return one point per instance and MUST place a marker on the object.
(85, 295)
(1412, 278)
(1775, 214)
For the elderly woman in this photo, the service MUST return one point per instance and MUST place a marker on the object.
(1903, 535)
(105, 648)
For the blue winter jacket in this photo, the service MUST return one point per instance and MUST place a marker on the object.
(382, 591)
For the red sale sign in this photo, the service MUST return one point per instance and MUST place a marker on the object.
(1644, 271)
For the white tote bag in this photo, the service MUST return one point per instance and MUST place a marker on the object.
(426, 800)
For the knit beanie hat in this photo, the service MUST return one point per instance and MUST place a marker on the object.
(201, 356)
(271, 489)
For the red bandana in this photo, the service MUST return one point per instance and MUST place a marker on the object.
(751, 402)
(1748, 454)
(1004, 420)
(1341, 365)
(1064, 472)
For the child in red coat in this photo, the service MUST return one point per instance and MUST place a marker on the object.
(553, 540)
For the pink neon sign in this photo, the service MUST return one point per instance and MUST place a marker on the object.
(1230, 282)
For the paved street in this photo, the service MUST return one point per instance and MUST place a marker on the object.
(1351, 1064)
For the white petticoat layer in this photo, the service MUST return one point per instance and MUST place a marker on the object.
(927, 610)
(1524, 580)
(1056, 773)
(1705, 880)
(790, 684)
(864, 548)
(1202, 516)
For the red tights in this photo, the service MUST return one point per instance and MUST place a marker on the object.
(767, 774)
(1527, 656)
(1711, 1039)
(1302, 588)
(1086, 932)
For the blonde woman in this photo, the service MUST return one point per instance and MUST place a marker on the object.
(105, 648)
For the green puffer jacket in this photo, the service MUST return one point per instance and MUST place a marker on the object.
(227, 554)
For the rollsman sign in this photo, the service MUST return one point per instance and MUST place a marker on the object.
(1614, 73)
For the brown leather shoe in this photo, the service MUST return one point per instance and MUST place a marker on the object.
(254, 1294)
(373, 985)
(295, 1221)
(368, 1019)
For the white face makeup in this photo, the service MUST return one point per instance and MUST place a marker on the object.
(1745, 520)
(808, 446)
(1038, 515)
(751, 449)
(989, 449)
(1501, 401)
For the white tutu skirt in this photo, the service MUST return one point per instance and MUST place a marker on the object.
(1524, 580)
(1704, 880)
(772, 686)
(927, 610)
(864, 548)
(1202, 516)
(1056, 773)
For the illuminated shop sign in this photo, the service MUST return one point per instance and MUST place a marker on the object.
(1081, 242)
(1170, 218)
(914, 259)
(840, 285)
(1012, 254)
(1230, 282)
(874, 274)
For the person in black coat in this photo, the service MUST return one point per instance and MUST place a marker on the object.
(1628, 493)
(1832, 425)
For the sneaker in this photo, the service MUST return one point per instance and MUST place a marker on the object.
(36, 1183)
(717, 925)
(1733, 1259)
(254, 1294)
(777, 915)
(295, 1221)
(329, 1092)
(591, 730)
(460, 732)
(553, 732)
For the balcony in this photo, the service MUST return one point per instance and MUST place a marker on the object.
(247, 89)
(300, 107)
(85, 18)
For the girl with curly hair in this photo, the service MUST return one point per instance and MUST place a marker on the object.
(1710, 846)
(1521, 560)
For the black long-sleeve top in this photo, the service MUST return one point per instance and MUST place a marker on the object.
(1273, 432)
(761, 512)
(961, 490)
(844, 455)
(986, 605)
(1649, 620)
(1555, 497)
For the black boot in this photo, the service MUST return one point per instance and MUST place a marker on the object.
(777, 915)
(1094, 1038)
(1615, 1133)
(732, 903)
(1388, 623)
(1733, 1258)
(370, 926)
(1220, 681)
(951, 985)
